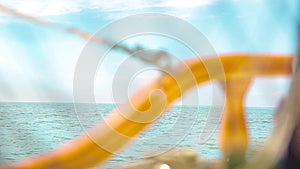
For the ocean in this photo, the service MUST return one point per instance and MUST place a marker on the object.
(31, 128)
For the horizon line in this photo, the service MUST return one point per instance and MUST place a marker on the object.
(175, 105)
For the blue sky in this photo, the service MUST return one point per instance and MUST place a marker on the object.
(37, 63)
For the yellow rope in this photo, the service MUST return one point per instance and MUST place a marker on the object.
(114, 132)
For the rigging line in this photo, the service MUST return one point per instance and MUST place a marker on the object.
(153, 58)
(81, 34)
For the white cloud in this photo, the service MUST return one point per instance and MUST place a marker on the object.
(43, 8)
(2, 20)
(186, 3)
(59, 7)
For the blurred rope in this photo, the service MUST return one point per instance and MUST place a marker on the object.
(154, 58)
(117, 129)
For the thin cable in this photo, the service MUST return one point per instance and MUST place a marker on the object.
(152, 58)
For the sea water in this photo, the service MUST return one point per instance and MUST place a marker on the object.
(31, 128)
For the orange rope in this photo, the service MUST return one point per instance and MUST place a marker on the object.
(234, 134)
(114, 132)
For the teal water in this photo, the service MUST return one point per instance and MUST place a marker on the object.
(31, 128)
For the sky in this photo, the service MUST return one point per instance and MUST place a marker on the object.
(37, 63)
